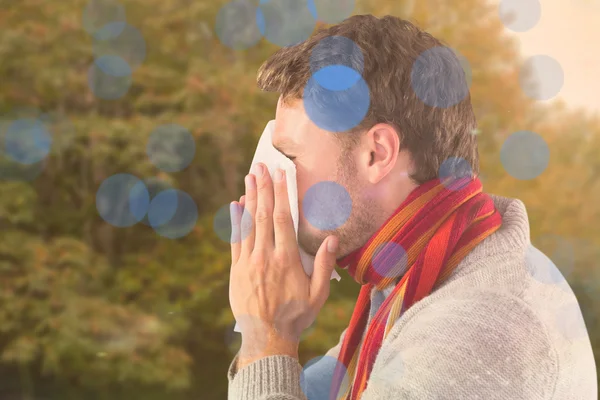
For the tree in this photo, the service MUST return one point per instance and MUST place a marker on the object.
(90, 310)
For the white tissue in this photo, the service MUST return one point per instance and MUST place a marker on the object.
(273, 159)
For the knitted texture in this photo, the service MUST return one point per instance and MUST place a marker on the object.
(496, 328)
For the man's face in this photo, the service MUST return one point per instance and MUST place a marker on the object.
(317, 156)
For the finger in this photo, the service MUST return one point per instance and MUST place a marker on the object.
(235, 212)
(242, 200)
(283, 224)
(248, 225)
(263, 219)
(325, 261)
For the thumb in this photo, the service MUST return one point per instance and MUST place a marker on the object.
(324, 265)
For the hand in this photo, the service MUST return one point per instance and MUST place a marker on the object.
(272, 298)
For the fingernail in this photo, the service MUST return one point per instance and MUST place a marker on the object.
(250, 183)
(260, 170)
(332, 244)
(278, 175)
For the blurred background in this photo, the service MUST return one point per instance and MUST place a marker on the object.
(105, 296)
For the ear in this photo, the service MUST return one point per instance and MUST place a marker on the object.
(383, 146)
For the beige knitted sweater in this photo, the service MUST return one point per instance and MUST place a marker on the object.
(505, 325)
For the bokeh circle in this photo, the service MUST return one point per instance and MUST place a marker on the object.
(541, 77)
(438, 77)
(285, 22)
(222, 224)
(118, 200)
(390, 260)
(153, 186)
(171, 147)
(324, 377)
(27, 141)
(525, 155)
(520, 15)
(337, 50)
(173, 214)
(109, 77)
(236, 25)
(561, 253)
(11, 170)
(336, 110)
(327, 205)
(455, 173)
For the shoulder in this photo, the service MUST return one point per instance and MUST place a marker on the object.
(479, 341)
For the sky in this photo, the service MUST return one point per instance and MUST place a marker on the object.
(569, 32)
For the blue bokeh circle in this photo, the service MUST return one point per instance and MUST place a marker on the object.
(173, 214)
(336, 110)
(390, 260)
(525, 155)
(438, 78)
(455, 173)
(171, 147)
(109, 77)
(120, 200)
(318, 379)
(27, 141)
(285, 22)
(337, 50)
(237, 26)
(327, 205)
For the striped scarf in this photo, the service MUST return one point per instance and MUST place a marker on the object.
(422, 242)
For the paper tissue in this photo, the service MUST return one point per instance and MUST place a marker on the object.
(273, 159)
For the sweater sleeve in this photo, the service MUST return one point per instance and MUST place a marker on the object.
(475, 346)
(271, 378)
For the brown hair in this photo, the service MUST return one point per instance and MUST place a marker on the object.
(390, 49)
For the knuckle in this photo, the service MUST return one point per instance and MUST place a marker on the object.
(258, 260)
(281, 256)
(281, 217)
(246, 223)
(261, 215)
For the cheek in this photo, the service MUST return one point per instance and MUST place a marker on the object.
(301, 191)
(304, 182)
(307, 178)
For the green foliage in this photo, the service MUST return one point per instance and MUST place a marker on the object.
(91, 311)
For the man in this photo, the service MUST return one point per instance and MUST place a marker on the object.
(450, 306)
